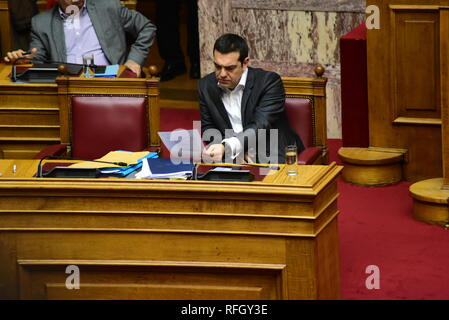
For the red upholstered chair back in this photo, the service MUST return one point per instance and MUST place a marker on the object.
(103, 124)
(50, 4)
(300, 117)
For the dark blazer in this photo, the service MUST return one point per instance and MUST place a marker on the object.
(262, 108)
(111, 21)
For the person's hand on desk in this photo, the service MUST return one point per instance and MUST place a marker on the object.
(214, 153)
(134, 67)
(13, 56)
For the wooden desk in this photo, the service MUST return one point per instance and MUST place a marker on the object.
(155, 239)
(30, 117)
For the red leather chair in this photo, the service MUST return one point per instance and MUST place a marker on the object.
(102, 115)
(102, 124)
(305, 105)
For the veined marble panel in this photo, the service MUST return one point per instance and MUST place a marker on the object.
(294, 36)
(303, 5)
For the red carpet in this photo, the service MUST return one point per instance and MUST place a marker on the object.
(376, 228)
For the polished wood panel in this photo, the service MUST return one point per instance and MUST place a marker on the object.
(410, 30)
(445, 96)
(431, 196)
(157, 239)
(29, 116)
(405, 83)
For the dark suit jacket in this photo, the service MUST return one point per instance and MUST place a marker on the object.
(262, 108)
(111, 21)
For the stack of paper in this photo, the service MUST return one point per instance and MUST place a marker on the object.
(164, 169)
(132, 159)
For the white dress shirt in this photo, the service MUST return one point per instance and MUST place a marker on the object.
(232, 100)
(80, 37)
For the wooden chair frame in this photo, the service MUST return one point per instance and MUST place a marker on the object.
(313, 89)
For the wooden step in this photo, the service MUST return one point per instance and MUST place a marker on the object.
(372, 166)
(430, 202)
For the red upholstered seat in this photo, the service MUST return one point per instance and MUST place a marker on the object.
(300, 117)
(299, 113)
(103, 124)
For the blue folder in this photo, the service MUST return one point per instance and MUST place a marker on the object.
(161, 166)
(110, 72)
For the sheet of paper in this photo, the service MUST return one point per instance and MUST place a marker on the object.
(144, 172)
(184, 144)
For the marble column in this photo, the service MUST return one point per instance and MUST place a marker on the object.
(286, 36)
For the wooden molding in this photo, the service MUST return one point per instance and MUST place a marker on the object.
(417, 121)
(413, 7)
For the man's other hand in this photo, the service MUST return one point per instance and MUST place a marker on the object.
(214, 153)
(13, 56)
(134, 67)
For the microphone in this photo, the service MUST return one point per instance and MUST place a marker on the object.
(13, 71)
(39, 166)
(95, 68)
(44, 72)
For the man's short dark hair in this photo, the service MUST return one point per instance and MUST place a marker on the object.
(230, 42)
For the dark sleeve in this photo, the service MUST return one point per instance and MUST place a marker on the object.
(141, 29)
(269, 108)
(206, 118)
(38, 43)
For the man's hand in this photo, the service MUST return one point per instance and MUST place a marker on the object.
(134, 67)
(12, 57)
(214, 153)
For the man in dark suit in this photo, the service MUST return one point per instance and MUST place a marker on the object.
(99, 28)
(245, 105)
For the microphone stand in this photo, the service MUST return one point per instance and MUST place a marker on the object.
(91, 65)
(14, 70)
(39, 166)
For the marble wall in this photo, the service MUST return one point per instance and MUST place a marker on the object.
(286, 36)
